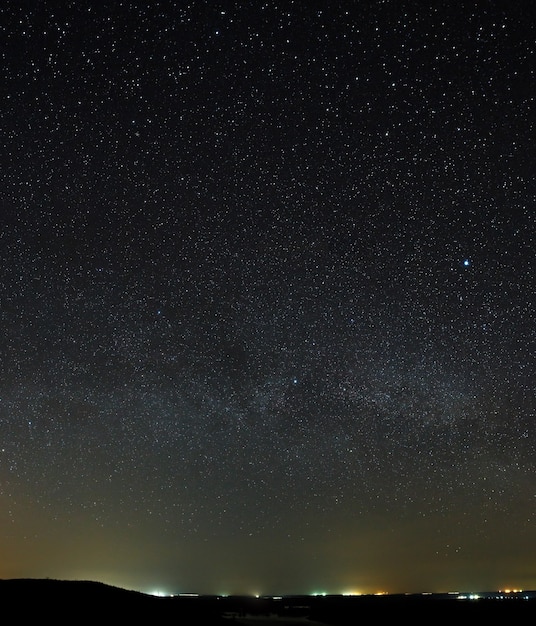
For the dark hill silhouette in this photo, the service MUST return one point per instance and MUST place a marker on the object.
(70, 601)
(88, 602)
(53, 590)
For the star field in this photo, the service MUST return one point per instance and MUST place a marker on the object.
(267, 295)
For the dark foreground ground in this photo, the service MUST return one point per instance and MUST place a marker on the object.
(82, 602)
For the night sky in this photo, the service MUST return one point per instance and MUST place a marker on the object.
(267, 294)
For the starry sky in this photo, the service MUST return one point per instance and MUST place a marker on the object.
(267, 294)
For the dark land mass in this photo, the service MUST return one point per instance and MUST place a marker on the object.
(86, 602)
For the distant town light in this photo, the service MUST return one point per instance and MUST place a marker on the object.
(159, 593)
(188, 595)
